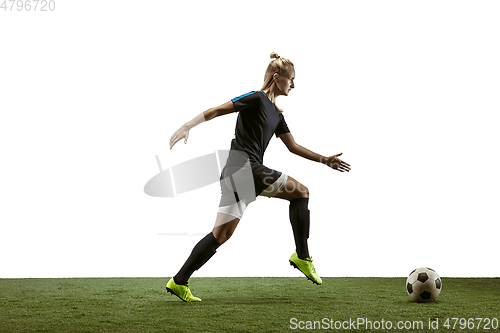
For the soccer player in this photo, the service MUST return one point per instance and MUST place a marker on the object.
(244, 176)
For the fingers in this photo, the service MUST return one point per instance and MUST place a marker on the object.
(177, 136)
(344, 167)
(172, 143)
(173, 140)
(338, 164)
(341, 167)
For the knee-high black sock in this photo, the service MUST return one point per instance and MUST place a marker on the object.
(299, 218)
(201, 253)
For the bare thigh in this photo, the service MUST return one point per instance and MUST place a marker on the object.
(224, 227)
(293, 190)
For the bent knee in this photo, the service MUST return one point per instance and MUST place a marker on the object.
(223, 229)
(303, 192)
(223, 237)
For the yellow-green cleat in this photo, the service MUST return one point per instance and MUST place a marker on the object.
(305, 266)
(181, 291)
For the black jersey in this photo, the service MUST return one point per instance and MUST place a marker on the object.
(258, 120)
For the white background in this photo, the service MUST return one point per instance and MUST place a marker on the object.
(407, 90)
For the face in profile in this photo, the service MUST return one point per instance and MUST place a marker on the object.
(285, 83)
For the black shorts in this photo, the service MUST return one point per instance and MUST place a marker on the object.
(244, 178)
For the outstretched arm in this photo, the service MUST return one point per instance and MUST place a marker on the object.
(332, 161)
(183, 132)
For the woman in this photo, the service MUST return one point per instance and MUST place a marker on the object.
(244, 176)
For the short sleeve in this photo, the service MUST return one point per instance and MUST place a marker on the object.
(247, 101)
(282, 127)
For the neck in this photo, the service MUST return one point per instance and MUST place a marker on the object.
(271, 93)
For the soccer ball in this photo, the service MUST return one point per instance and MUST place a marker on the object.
(423, 284)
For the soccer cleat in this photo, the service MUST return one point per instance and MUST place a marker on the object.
(181, 291)
(305, 266)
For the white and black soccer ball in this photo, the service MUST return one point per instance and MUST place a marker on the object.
(423, 284)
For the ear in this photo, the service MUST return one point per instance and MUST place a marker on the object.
(275, 77)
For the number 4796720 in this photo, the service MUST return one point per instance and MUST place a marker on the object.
(471, 323)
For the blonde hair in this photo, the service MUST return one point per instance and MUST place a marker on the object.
(278, 65)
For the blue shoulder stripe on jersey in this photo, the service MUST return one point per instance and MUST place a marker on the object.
(240, 97)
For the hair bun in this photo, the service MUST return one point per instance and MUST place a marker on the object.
(274, 55)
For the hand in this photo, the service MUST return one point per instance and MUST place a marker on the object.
(336, 163)
(182, 132)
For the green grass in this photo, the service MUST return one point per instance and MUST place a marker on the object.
(232, 304)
